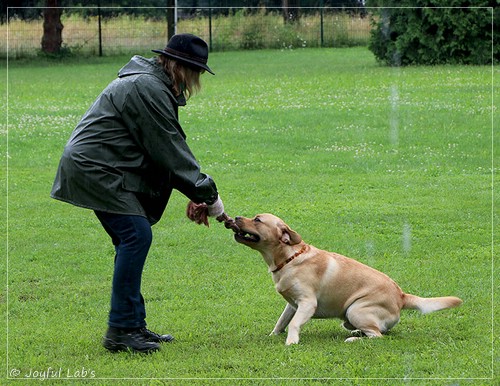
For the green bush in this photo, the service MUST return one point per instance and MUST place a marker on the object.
(288, 36)
(251, 33)
(434, 32)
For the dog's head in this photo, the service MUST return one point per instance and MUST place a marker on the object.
(265, 232)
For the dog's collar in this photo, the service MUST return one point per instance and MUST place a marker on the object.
(281, 265)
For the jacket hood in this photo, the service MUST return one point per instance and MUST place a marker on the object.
(139, 65)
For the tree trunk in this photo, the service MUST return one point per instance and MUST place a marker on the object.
(52, 28)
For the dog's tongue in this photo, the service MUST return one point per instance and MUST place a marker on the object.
(229, 223)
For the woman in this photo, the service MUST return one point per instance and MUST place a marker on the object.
(124, 159)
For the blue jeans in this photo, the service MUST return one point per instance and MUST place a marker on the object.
(132, 237)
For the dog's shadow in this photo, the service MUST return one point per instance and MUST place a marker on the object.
(330, 330)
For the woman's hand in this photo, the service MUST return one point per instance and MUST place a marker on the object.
(197, 213)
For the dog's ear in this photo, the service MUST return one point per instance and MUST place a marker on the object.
(289, 236)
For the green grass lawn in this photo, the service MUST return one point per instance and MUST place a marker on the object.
(390, 166)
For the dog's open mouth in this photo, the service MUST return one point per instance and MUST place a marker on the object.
(243, 236)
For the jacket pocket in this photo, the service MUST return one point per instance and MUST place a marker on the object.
(135, 183)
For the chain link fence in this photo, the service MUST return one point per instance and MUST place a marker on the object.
(233, 29)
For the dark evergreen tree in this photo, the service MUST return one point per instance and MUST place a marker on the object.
(407, 32)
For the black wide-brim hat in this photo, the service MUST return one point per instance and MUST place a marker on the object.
(188, 49)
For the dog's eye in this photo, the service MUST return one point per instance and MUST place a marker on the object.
(256, 219)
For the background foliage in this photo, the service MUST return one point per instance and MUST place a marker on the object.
(457, 34)
(32, 9)
(242, 29)
(403, 32)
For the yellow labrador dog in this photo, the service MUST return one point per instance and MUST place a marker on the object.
(321, 284)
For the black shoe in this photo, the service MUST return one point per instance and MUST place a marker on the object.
(122, 340)
(151, 336)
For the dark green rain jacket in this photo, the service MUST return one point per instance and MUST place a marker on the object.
(129, 151)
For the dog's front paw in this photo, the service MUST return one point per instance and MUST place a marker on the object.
(292, 337)
(290, 341)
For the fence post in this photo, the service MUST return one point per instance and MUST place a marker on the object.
(210, 24)
(171, 18)
(321, 25)
(99, 26)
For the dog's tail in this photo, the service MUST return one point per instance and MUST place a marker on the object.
(427, 305)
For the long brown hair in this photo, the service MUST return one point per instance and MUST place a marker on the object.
(184, 78)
